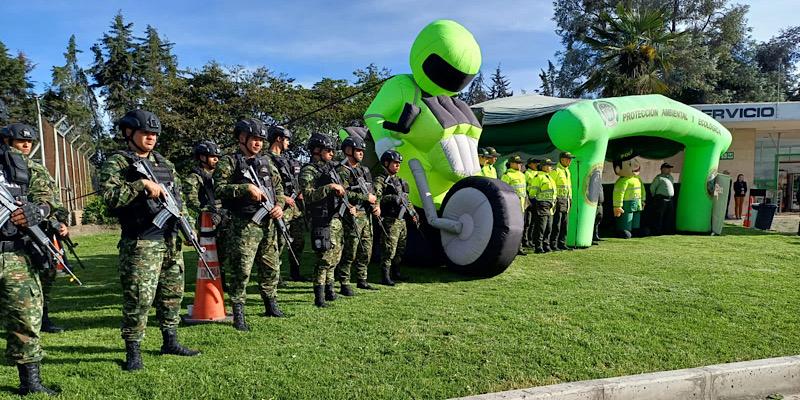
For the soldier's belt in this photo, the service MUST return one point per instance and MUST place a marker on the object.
(12, 245)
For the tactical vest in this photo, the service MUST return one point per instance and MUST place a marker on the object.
(244, 206)
(356, 173)
(15, 177)
(290, 171)
(136, 219)
(394, 186)
(206, 194)
(324, 210)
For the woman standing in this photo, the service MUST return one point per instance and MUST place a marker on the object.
(739, 192)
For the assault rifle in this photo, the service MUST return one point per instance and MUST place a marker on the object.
(266, 206)
(40, 241)
(170, 209)
(362, 184)
(66, 243)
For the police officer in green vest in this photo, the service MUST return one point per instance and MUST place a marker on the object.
(563, 179)
(488, 169)
(531, 170)
(543, 190)
(516, 179)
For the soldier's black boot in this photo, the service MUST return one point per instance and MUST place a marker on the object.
(133, 357)
(346, 290)
(330, 295)
(319, 296)
(271, 307)
(386, 279)
(238, 318)
(30, 381)
(172, 346)
(47, 324)
(363, 284)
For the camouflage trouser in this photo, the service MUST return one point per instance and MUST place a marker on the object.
(47, 277)
(21, 308)
(356, 247)
(327, 260)
(151, 271)
(394, 246)
(297, 231)
(248, 245)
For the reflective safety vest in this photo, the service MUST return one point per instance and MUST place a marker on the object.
(543, 188)
(530, 176)
(563, 179)
(488, 171)
(628, 188)
(517, 181)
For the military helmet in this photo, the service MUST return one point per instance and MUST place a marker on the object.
(19, 131)
(318, 140)
(207, 148)
(355, 142)
(276, 131)
(391, 155)
(250, 126)
(140, 120)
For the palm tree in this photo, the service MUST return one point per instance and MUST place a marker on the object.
(631, 52)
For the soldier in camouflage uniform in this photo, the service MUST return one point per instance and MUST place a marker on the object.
(198, 194)
(293, 212)
(357, 242)
(21, 298)
(150, 259)
(249, 243)
(59, 217)
(393, 194)
(322, 188)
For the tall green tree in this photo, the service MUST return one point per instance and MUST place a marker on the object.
(631, 46)
(16, 87)
(115, 68)
(476, 91)
(500, 86)
(154, 59)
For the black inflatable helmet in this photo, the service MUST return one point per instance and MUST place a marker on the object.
(250, 126)
(207, 148)
(355, 142)
(318, 140)
(391, 155)
(140, 120)
(276, 131)
(19, 131)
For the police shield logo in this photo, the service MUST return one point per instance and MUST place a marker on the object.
(608, 112)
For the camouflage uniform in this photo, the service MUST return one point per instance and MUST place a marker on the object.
(392, 192)
(247, 242)
(199, 196)
(21, 297)
(47, 273)
(319, 196)
(293, 215)
(150, 260)
(357, 241)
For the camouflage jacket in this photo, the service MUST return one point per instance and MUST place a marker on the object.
(42, 188)
(57, 210)
(350, 182)
(308, 179)
(226, 187)
(192, 186)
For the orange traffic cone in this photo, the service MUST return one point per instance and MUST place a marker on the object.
(746, 222)
(208, 297)
(57, 245)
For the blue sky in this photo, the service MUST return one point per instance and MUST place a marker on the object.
(308, 40)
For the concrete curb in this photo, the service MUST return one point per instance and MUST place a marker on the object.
(736, 381)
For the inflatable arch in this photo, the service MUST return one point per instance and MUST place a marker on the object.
(651, 126)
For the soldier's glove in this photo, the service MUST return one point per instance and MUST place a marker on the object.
(29, 214)
(216, 219)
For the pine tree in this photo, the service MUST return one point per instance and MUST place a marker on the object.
(114, 68)
(548, 78)
(500, 85)
(15, 87)
(476, 92)
(154, 59)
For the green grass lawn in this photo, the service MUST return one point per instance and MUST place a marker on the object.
(626, 307)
